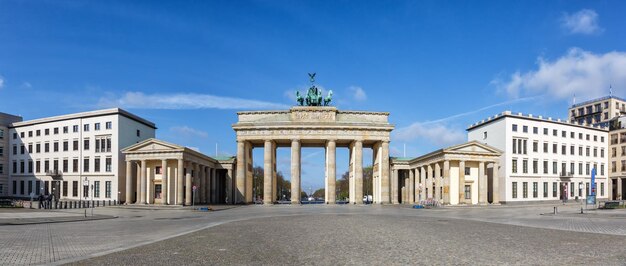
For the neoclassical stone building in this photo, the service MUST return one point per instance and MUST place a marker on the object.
(461, 174)
(158, 172)
(313, 126)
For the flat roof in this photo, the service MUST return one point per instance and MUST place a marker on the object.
(96, 113)
(597, 100)
(534, 118)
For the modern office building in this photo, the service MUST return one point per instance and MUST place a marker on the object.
(5, 121)
(55, 155)
(545, 159)
(597, 111)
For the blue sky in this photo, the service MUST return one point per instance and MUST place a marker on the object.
(189, 66)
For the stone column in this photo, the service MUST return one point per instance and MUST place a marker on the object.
(496, 184)
(437, 193)
(267, 173)
(482, 184)
(411, 187)
(423, 182)
(164, 182)
(385, 173)
(201, 188)
(137, 182)
(331, 174)
(179, 182)
(358, 171)
(394, 187)
(446, 182)
(229, 186)
(240, 190)
(195, 180)
(462, 182)
(188, 184)
(429, 182)
(620, 195)
(248, 173)
(214, 185)
(295, 171)
(142, 199)
(129, 181)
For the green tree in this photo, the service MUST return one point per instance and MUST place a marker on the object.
(320, 193)
(343, 184)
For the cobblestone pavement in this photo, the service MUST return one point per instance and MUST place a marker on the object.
(67, 242)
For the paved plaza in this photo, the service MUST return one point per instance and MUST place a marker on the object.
(321, 234)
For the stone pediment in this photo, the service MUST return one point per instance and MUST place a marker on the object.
(473, 147)
(152, 145)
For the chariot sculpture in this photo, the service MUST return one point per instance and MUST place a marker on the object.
(314, 96)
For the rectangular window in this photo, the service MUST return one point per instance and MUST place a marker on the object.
(587, 171)
(66, 145)
(571, 191)
(86, 191)
(14, 187)
(555, 132)
(74, 188)
(554, 189)
(514, 166)
(46, 166)
(514, 190)
(86, 128)
(554, 148)
(109, 125)
(65, 130)
(535, 167)
(30, 166)
(601, 189)
(96, 189)
(74, 165)
(602, 169)
(96, 164)
(467, 171)
(535, 146)
(545, 189)
(595, 152)
(37, 187)
(75, 129)
(545, 147)
(65, 183)
(572, 150)
(1, 169)
(107, 164)
(14, 167)
(107, 189)
(563, 149)
(535, 130)
(14, 149)
(96, 126)
(545, 167)
(86, 144)
(38, 132)
(56, 130)
(139, 132)
(554, 168)
(563, 134)
(22, 149)
(30, 187)
(65, 166)
(525, 190)
(525, 129)
(545, 131)
(468, 192)
(55, 146)
(587, 152)
(22, 187)
(75, 144)
(514, 146)
(46, 147)
(86, 165)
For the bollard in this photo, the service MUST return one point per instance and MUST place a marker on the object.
(555, 210)
(65, 205)
(581, 210)
(39, 205)
(98, 205)
(109, 202)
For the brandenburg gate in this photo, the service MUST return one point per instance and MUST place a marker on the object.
(313, 124)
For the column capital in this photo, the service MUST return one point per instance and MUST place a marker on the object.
(331, 140)
(295, 140)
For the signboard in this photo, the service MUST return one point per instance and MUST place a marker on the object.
(591, 198)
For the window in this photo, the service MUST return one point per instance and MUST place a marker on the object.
(602, 139)
(587, 152)
(74, 188)
(545, 147)
(30, 135)
(545, 131)
(563, 149)
(75, 129)
(86, 127)
(555, 132)
(38, 132)
(139, 132)
(30, 187)
(46, 165)
(525, 166)
(485, 135)
(75, 145)
(30, 166)
(86, 191)
(109, 125)
(580, 150)
(587, 169)
(65, 183)
(107, 191)
(601, 189)
(30, 148)
(525, 190)
(74, 165)
(563, 134)
(14, 187)
(1, 133)
(545, 167)
(554, 189)
(107, 164)
(535, 146)
(572, 150)
(1, 151)
(38, 166)
(96, 164)
(514, 127)
(86, 144)
(545, 189)
(580, 135)
(22, 149)
(613, 168)
(554, 148)
(571, 168)
(554, 168)
(66, 145)
(535, 130)
(535, 167)
(157, 170)
(602, 169)
(14, 167)
(55, 146)
(595, 138)
(65, 166)
(65, 130)
(571, 191)
(602, 153)
(86, 165)
(514, 190)
(21, 167)
(56, 130)
(21, 134)
(22, 187)
(587, 137)
(96, 189)
(467, 171)
(572, 135)
(96, 126)
(14, 149)
(1, 169)
(525, 129)
(468, 192)
(46, 147)
(38, 147)
(595, 152)
(514, 166)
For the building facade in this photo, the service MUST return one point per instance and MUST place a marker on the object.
(55, 155)
(597, 111)
(617, 158)
(159, 172)
(5, 121)
(545, 159)
(458, 175)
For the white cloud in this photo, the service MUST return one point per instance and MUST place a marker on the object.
(139, 100)
(578, 72)
(584, 22)
(357, 93)
(1, 82)
(438, 134)
(188, 132)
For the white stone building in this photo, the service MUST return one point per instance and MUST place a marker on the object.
(55, 155)
(545, 159)
(5, 121)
